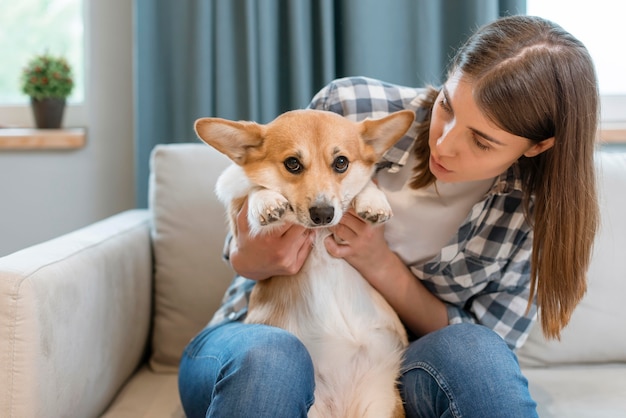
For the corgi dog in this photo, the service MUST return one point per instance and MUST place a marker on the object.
(309, 167)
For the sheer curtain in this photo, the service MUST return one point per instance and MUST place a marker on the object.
(254, 59)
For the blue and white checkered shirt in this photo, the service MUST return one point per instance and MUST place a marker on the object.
(483, 273)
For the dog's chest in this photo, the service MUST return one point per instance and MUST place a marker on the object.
(332, 296)
(327, 298)
(332, 280)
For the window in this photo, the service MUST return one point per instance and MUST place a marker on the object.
(600, 26)
(30, 27)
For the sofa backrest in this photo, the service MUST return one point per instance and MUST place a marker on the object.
(188, 231)
(596, 332)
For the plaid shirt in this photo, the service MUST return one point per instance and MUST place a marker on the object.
(483, 273)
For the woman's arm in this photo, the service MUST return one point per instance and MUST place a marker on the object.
(492, 291)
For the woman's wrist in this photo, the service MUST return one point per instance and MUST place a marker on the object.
(242, 266)
(384, 270)
(420, 310)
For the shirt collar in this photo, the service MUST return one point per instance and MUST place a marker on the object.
(508, 181)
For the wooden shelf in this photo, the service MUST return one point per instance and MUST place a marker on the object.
(41, 139)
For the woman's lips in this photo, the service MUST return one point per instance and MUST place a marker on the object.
(436, 165)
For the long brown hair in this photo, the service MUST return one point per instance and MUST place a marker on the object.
(535, 80)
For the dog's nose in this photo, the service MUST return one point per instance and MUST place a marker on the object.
(322, 215)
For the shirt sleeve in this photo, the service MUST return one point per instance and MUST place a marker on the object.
(504, 304)
(493, 293)
(321, 99)
(340, 96)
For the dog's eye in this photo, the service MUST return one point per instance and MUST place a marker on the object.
(340, 165)
(293, 165)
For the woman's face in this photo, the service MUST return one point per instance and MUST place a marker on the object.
(464, 144)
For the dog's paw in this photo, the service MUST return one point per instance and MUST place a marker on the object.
(266, 207)
(375, 215)
(372, 205)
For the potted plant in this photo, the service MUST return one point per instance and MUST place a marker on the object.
(48, 81)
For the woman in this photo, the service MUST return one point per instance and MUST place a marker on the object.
(495, 213)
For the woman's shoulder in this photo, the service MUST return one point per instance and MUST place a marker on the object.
(373, 85)
(360, 97)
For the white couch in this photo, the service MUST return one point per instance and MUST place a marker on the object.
(93, 323)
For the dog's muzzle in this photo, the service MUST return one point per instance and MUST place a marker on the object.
(322, 215)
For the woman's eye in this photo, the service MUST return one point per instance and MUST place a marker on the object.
(445, 105)
(340, 165)
(293, 165)
(480, 145)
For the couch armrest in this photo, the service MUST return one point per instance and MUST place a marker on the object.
(75, 318)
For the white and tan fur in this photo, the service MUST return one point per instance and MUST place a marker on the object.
(354, 337)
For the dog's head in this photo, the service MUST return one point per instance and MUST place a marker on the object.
(318, 160)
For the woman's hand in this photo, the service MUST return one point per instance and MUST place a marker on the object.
(279, 252)
(360, 243)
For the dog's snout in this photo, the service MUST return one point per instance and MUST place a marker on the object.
(322, 215)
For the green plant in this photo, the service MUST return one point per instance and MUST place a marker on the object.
(46, 76)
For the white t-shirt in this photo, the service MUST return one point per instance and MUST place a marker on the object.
(425, 220)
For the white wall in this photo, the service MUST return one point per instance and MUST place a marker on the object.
(47, 193)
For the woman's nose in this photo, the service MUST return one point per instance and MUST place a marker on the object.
(447, 142)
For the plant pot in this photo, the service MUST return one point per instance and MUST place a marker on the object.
(48, 112)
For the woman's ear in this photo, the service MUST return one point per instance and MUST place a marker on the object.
(540, 147)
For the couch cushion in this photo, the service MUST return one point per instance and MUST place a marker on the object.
(596, 331)
(188, 231)
(579, 391)
(149, 395)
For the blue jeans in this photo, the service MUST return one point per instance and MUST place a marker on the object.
(239, 370)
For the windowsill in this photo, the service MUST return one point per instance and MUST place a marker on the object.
(42, 139)
(613, 133)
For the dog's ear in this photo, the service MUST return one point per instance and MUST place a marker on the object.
(382, 133)
(234, 139)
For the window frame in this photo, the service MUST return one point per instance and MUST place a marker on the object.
(17, 115)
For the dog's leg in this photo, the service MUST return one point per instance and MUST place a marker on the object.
(266, 207)
(232, 184)
(372, 205)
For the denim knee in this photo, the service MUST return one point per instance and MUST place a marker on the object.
(246, 370)
(277, 353)
(464, 370)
